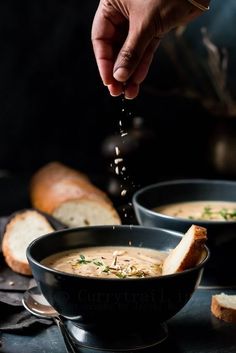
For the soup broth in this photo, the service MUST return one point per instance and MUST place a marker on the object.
(109, 262)
(201, 210)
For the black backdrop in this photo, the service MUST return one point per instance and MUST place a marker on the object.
(53, 105)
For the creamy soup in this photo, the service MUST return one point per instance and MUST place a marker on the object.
(109, 262)
(201, 210)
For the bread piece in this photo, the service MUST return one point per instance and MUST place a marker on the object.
(223, 306)
(188, 252)
(70, 197)
(22, 228)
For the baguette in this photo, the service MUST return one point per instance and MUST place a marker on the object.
(22, 228)
(223, 306)
(70, 197)
(187, 253)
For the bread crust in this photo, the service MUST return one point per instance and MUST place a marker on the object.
(190, 258)
(195, 251)
(222, 312)
(56, 183)
(16, 265)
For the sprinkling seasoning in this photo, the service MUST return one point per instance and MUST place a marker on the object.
(117, 150)
(123, 192)
(118, 160)
(118, 164)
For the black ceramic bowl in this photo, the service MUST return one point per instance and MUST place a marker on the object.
(221, 234)
(116, 314)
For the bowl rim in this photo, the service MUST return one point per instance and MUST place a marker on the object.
(136, 203)
(101, 279)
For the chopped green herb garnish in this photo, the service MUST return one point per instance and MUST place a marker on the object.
(233, 214)
(207, 211)
(224, 213)
(106, 269)
(120, 275)
(98, 263)
(227, 215)
(82, 260)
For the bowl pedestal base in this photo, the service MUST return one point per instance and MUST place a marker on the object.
(117, 340)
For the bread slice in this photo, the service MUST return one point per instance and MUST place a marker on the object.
(70, 197)
(85, 212)
(22, 228)
(223, 306)
(188, 253)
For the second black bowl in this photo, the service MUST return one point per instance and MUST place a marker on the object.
(221, 268)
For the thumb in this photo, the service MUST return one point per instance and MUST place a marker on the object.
(131, 54)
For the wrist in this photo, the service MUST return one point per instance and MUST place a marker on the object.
(200, 5)
(204, 2)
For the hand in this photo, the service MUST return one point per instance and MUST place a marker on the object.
(126, 34)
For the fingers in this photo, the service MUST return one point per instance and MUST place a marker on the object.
(130, 54)
(122, 55)
(131, 90)
(106, 38)
(123, 38)
(132, 86)
(116, 88)
(102, 48)
(142, 70)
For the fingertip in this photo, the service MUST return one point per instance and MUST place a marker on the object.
(131, 91)
(121, 74)
(114, 95)
(115, 89)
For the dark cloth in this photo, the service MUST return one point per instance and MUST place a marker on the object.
(13, 316)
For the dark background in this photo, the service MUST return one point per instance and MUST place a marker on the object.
(53, 105)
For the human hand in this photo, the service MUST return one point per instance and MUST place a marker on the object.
(126, 34)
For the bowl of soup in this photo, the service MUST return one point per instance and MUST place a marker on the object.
(107, 283)
(177, 204)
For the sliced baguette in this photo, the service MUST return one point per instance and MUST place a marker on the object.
(70, 197)
(188, 252)
(22, 228)
(223, 306)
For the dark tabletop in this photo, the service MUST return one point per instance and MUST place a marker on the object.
(193, 330)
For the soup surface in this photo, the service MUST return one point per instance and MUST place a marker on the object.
(201, 210)
(109, 262)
